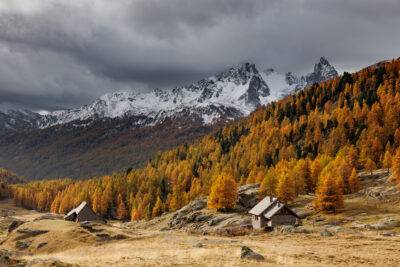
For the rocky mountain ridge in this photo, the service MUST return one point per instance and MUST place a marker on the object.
(227, 95)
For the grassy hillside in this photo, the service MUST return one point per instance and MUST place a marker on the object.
(300, 144)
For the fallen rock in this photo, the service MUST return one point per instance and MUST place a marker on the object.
(390, 233)
(162, 229)
(118, 237)
(103, 236)
(42, 245)
(90, 228)
(320, 219)
(325, 233)
(287, 229)
(23, 244)
(14, 225)
(301, 231)
(198, 245)
(247, 253)
(357, 225)
(50, 216)
(30, 232)
(390, 222)
(379, 226)
(48, 262)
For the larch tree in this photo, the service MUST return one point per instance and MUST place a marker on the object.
(96, 203)
(268, 185)
(354, 181)
(158, 208)
(285, 189)
(315, 169)
(330, 197)
(387, 161)
(122, 213)
(56, 203)
(223, 193)
(341, 184)
(396, 167)
(369, 165)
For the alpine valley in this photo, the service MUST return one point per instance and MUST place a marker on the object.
(125, 128)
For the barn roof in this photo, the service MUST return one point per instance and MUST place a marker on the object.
(77, 209)
(262, 205)
(269, 208)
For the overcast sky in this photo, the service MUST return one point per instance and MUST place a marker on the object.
(64, 53)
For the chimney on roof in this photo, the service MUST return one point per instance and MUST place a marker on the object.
(270, 198)
(279, 204)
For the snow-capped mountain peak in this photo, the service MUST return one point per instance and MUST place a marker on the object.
(290, 83)
(239, 89)
(226, 95)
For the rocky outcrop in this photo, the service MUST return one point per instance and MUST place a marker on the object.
(14, 225)
(29, 232)
(194, 216)
(247, 197)
(323, 71)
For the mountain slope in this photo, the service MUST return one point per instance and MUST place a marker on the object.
(126, 129)
(292, 146)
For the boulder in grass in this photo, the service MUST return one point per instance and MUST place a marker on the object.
(390, 233)
(247, 253)
(198, 245)
(325, 233)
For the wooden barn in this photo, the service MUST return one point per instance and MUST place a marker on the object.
(82, 213)
(270, 212)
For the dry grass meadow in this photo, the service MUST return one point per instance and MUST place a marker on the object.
(146, 245)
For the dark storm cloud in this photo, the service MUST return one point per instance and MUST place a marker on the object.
(57, 54)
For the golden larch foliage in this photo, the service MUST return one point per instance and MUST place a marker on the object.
(223, 193)
(285, 191)
(330, 196)
(354, 181)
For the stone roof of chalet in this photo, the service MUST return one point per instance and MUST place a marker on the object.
(262, 205)
(77, 209)
(269, 208)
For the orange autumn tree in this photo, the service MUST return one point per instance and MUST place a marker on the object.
(387, 160)
(286, 189)
(223, 194)
(330, 196)
(369, 165)
(268, 185)
(158, 208)
(396, 167)
(354, 181)
(122, 213)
